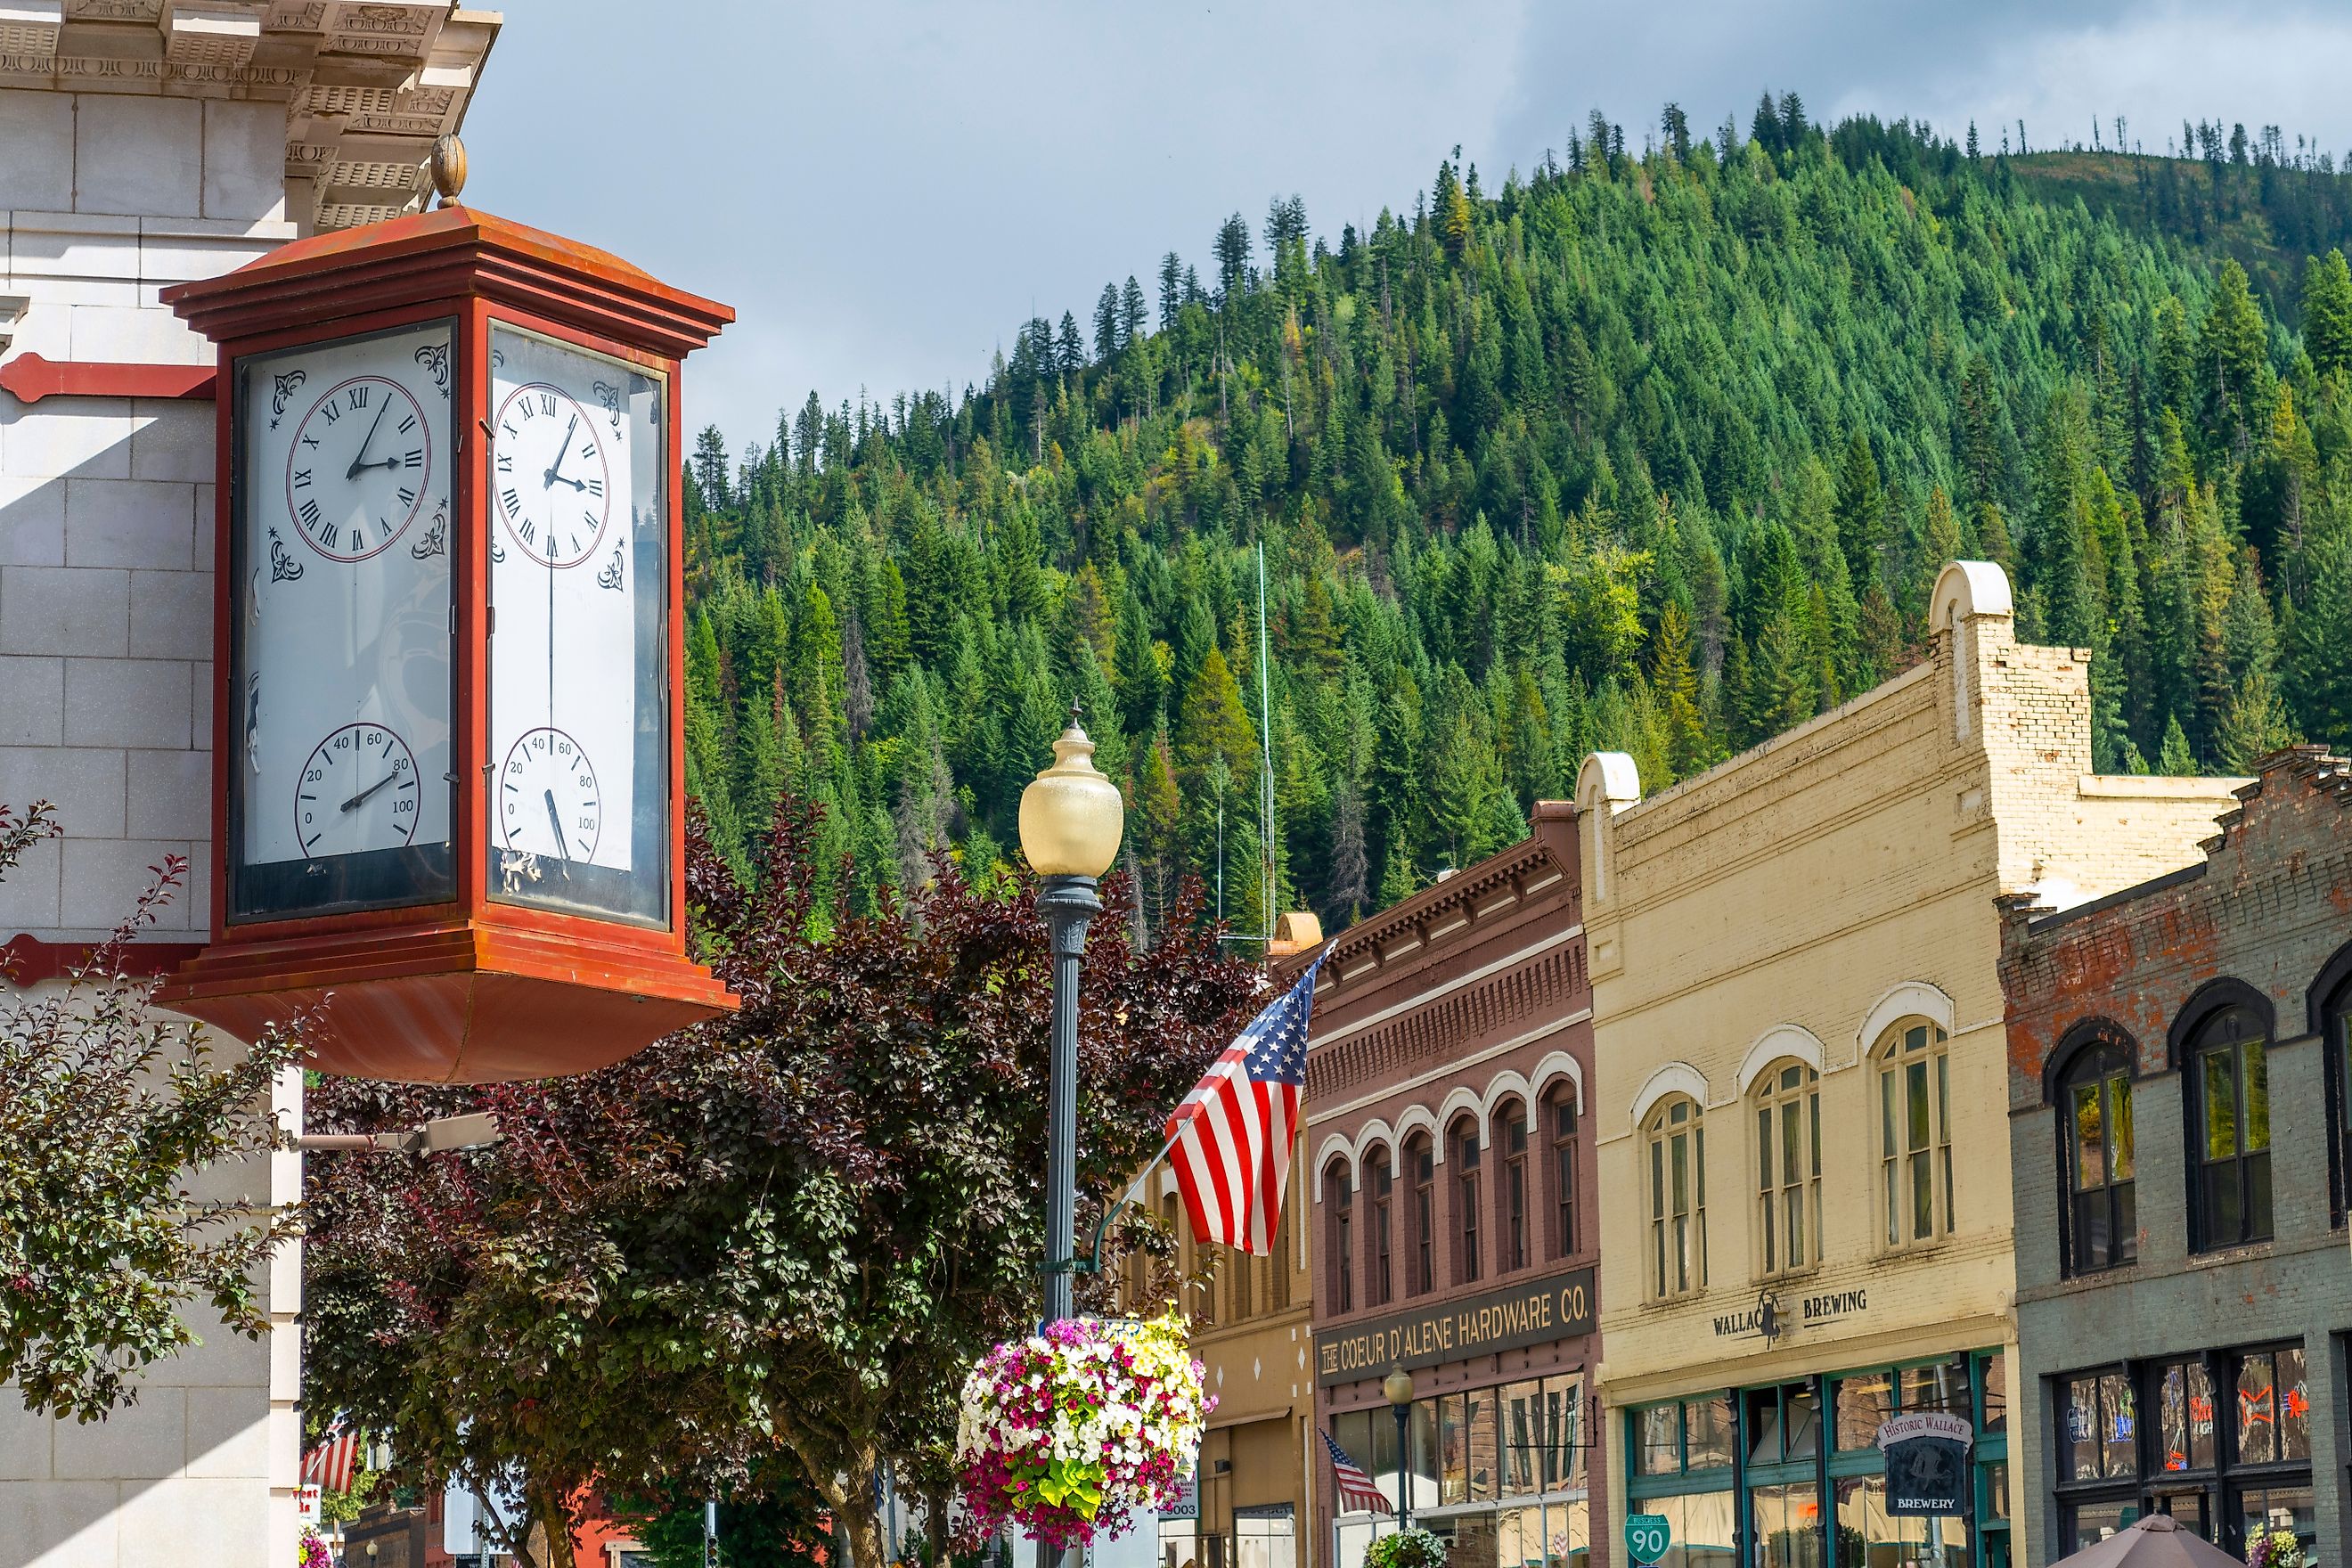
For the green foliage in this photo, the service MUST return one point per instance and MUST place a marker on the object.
(1659, 453)
(118, 1127)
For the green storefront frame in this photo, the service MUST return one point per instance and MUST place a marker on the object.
(1741, 1475)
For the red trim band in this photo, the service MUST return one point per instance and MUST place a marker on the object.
(25, 959)
(29, 378)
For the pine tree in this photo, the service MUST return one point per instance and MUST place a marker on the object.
(1676, 687)
(2255, 726)
(1133, 316)
(1107, 324)
(2318, 644)
(1861, 511)
(2175, 759)
(2328, 312)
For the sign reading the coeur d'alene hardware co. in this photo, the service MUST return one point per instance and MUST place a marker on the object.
(1556, 1308)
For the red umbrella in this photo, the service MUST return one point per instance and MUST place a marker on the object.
(2158, 1540)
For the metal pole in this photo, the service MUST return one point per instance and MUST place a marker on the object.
(710, 1532)
(1067, 904)
(1405, 1467)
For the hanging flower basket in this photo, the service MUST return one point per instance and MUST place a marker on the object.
(2273, 1548)
(311, 1552)
(1064, 1433)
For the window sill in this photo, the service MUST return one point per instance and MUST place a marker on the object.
(2223, 1257)
(1790, 1276)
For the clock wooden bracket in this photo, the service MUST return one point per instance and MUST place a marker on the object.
(470, 981)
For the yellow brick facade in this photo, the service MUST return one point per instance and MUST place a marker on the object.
(1804, 904)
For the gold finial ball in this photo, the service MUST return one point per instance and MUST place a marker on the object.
(449, 168)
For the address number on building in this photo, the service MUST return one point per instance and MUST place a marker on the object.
(1647, 1536)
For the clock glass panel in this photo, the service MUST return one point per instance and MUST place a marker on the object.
(578, 758)
(340, 788)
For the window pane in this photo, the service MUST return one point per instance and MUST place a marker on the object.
(2120, 1425)
(1661, 1428)
(1710, 1432)
(1485, 1468)
(1923, 1197)
(1803, 1416)
(1915, 1095)
(2220, 1104)
(2119, 1126)
(2257, 1196)
(1864, 1402)
(2293, 1406)
(2257, 1411)
(1787, 1527)
(1764, 1148)
(1678, 1154)
(2090, 1138)
(1942, 1385)
(1657, 1179)
(2081, 1459)
(1453, 1449)
(2284, 1508)
(2258, 1095)
(2222, 1214)
(1763, 1425)
(1994, 1370)
(2126, 1242)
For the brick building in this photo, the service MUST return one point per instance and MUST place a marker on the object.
(144, 143)
(1454, 1211)
(2182, 1334)
(1798, 1116)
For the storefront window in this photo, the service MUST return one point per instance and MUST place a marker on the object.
(1783, 1423)
(2184, 1405)
(2100, 1427)
(1868, 1537)
(1453, 1450)
(1661, 1438)
(2273, 1407)
(1992, 1372)
(2276, 1507)
(1266, 1537)
(1479, 1421)
(1708, 1423)
(1788, 1526)
(1699, 1525)
(1941, 1386)
(2091, 1522)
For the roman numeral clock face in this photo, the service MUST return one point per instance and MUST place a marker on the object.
(578, 776)
(341, 783)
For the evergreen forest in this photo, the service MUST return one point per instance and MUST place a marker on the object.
(1658, 452)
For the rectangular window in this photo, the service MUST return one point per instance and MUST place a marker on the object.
(1478, 1418)
(1425, 1218)
(1865, 1402)
(2100, 1427)
(1524, 1446)
(1383, 1282)
(1466, 1204)
(1563, 1176)
(1454, 1449)
(1707, 1424)
(1661, 1429)
(2273, 1407)
(1514, 1193)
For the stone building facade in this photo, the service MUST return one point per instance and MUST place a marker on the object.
(1455, 1215)
(1798, 1116)
(2177, 1078)
(144, 143)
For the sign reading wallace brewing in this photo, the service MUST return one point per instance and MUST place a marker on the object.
(1558, 1307)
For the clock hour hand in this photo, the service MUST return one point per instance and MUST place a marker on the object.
(547, 480)
(365, 441)
(555, 822)
(361, 798)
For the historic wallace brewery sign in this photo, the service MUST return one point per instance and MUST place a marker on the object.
(1926, 1463)
(1536, 1312)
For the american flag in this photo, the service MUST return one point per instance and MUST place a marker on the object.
(329, 1466)
(1229, 1141)
(1357, 1492)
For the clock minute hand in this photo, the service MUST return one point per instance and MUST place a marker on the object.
(365, 442)
(547, 480)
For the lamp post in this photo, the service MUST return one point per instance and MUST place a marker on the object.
(1071, 818)
(1397, 1387)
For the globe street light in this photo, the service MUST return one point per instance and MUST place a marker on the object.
(1071, 818)
(1397, 1387)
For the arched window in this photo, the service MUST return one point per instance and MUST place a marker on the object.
(1914, 1104)
(1339, 1204)
(2102, 1223)
(1382, 1289)
(1518, 1195)
(2226, 1076)
(2333, 1015)
(1789, 1166)
(1678, 1157)
(1560, 1115)
(1464, 1156)
(1421, 1170)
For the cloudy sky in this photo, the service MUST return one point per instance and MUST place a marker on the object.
(886, 189)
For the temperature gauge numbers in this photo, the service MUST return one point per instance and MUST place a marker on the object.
(549, 803)
(358, 792)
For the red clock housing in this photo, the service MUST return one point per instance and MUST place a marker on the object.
(463, 983)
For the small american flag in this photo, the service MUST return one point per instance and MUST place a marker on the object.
(1229, 1141)
(329, 1466)
(1357, 1492)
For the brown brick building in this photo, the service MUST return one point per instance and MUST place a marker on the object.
(1453, 1206)
(2177, 1078)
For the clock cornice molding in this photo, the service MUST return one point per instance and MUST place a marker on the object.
(450, 252)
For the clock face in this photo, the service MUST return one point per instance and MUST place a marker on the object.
(358, 791)
(578, 578)
(549, 475)
(359, 468)
(549, 803)
(341, 742)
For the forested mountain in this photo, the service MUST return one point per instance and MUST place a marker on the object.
(1656, 452)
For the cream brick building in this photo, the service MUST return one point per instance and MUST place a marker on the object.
(144, 142)
(1801, 1103)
